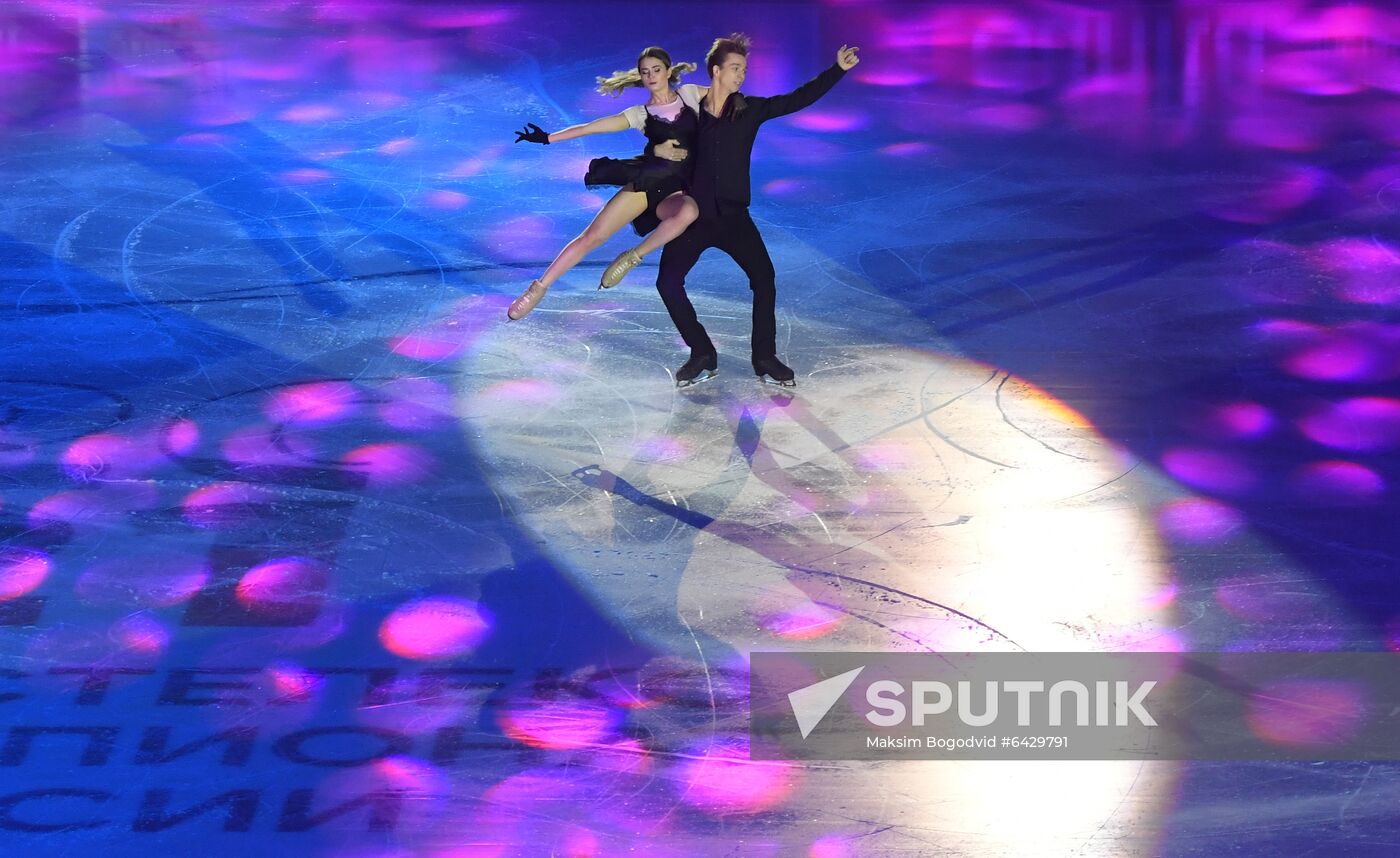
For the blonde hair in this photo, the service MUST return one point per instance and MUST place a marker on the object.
(627, 78)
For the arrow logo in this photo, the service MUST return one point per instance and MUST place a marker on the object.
(811, 704)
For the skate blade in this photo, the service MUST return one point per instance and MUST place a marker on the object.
(770, 380)
(705, 375)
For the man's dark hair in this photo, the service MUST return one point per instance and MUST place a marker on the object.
(734, 43)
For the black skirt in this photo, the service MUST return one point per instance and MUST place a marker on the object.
(658, 178)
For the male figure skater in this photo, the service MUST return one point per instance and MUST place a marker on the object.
(729, 122)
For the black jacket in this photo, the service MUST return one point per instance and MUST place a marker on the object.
(725, 144)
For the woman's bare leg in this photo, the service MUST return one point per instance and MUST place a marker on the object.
(677, 212)
(624, 207)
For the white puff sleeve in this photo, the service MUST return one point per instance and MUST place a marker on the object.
(690, 94)
(636, 116)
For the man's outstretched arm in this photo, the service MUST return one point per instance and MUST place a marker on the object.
(807, 94)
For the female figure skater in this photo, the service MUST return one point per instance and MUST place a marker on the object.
(652, 194)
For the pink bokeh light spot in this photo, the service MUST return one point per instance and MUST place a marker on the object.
(416, 706)
(1337, 483)
(830, 121)
(181, 437)
(466, 18)
(831, 846)
(453, 332)
(416, 404)
(1008, 117)
(909, 149)
(562, 722)
(448, 201)
(1269, 196)
(396, 146)
(315, 404)
(524, 238)
(22, 570)
(226, 504)
(104, 507)
(1210, 470)
(268, 446)
(1307, 713)
(892, 77)
(309, 113)
(1236, 420)
(389, 464)
(293, 683)
(525, 391)
(141, 633)
(289, 582)
(805, 622)
(720, 779)
(886, 455)
(1368, 423)
(434, 628)
(1366, 271)
(1199, 520)
(106, 456)
(782, 187)
(306, 176)
(661, 448)
(1359, 351)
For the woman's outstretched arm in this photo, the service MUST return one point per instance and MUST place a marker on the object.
(603, 125)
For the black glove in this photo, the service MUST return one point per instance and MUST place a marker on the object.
(532, 134)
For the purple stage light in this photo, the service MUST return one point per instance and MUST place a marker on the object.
(1269, 196)
(1337, 483)
(226, 505)
(1261, 598)
(1364, 424)
(447, 201)
(306, 176)
(309, 113)
(1363, 351)
(1009, 117)
(720, 779)
(314, 404)
(1199, 520)
(389, 464)
(1366, 270)
(434, 628)
(180, 437)
(105, 456)
(142, 633)
(282, 584)
(1210, 470)
(416, 404)
(559, 721)
(453, 332)
(1242, 420)
(22, 570)
(802, 623)
(264, 445)
(830, 121)
(94, 509)
(1304, 713)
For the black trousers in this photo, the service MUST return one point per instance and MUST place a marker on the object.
(734, 233)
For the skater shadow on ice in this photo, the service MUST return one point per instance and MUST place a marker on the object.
(901, 499)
